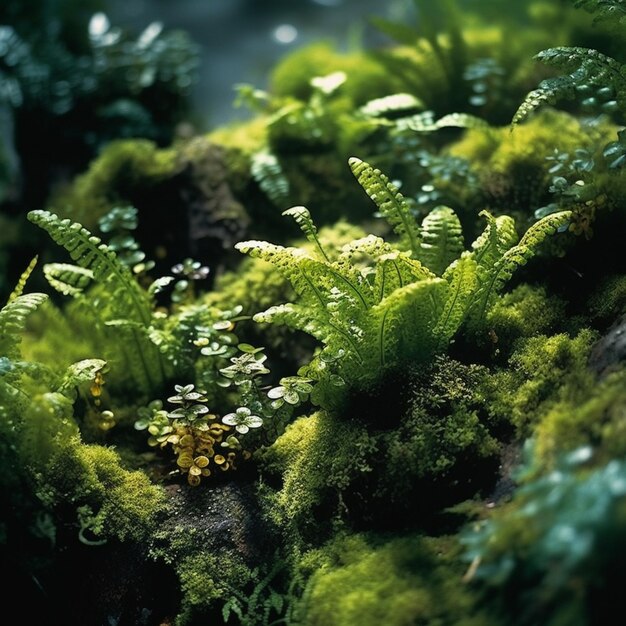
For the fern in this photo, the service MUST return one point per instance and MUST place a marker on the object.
(124, 298)
(377, 307)
(613, 10)
(21, 283)
(12, 322)
(497, 273)
(268, 173)
(586, 67)
(442, 239)
(67, 279)
(389, 201)
(425, 122)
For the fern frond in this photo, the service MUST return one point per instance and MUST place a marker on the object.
(396, 270)
(125, 299)
(12, 322)
(266, 170)
(81, 372)
(613, 10)
(389, 200)
(21, 283)
(311, 278)
(70, 280)
(498, 237)
(493, 280)
(391, 105)
(442, 239)
(402, 323)
(426, 123)
(302, 217)
(462, 278)
(585, 67)
(369, 246)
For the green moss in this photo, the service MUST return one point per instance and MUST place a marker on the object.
(400, 582)
(589, 412)
(525, 312)
(539, 369)
(608, 302)
(115, 503)
(512, 166)
(318, 458)
(207, 581)
(122, 167)
(366, 78)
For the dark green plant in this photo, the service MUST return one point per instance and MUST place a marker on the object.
(552, 554)
(381, 305)
(125, 315)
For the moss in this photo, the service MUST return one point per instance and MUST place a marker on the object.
(121, 167)
(512, 166)
(589, 412)
(207, 581)
(539, 369)
(318, 457)
(115, 503)
(366, 78)
(525, 312)
(399, 582)
(608, 302)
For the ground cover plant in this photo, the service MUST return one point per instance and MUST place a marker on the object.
(369, 367)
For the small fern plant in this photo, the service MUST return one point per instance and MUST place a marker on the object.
(595, 78)
(380, 306)
(121, 310)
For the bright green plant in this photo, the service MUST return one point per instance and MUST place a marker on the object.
(125, 314)
(381, 305)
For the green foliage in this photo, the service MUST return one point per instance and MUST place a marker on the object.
(393, 310)
(115, 502)
(122, 170)
(13, 320)
(613, 10)
(563, 531)
(21, 283)
(525, 312)
(129, 310)
(401, 581)
(442, 239)
(540, 369)
(589, 412)
(587, 69)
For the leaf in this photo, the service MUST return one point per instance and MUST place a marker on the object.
(70, 280)
(268, 173)
(442, 239)
(81, 372)
(389, 200)
(21, 283)
(393, 104)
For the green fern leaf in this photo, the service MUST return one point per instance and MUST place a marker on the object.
(21, 283)
(585, 67)
(268, 173)
(611, 10)
(499, 236)
(493, 280)
(462, 277)
(12, 323)
(442, 239)
(70, 280)
(302, 217)
(124, 297)
(389, 201)
(401, 326)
